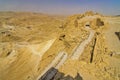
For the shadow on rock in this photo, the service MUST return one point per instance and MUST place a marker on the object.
(54, 74)
(118, 35)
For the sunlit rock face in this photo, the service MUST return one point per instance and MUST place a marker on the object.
(22, 59)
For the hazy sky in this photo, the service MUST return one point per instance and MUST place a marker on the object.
(108, 7)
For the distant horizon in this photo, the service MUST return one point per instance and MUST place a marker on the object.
(61, 7)
(52, 13)
(57, 14)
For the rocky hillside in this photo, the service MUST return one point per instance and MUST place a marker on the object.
(37, 46)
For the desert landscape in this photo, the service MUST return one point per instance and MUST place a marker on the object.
(36, 46)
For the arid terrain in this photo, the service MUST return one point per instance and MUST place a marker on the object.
(36, 46)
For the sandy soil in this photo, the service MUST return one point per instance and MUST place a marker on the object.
(112, 39)
(31, 43)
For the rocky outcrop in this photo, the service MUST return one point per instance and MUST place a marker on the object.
(118, 35)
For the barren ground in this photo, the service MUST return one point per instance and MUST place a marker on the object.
(32, 43)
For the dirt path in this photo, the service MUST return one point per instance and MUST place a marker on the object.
(61, 61)
(56, 63)
(79, 50)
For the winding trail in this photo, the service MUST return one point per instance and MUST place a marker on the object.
(79, 50)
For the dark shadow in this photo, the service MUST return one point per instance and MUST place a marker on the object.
(54, 74)
(118, 35)
(8, 53)
(99, 22)
(92, 53)
(78, 77)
